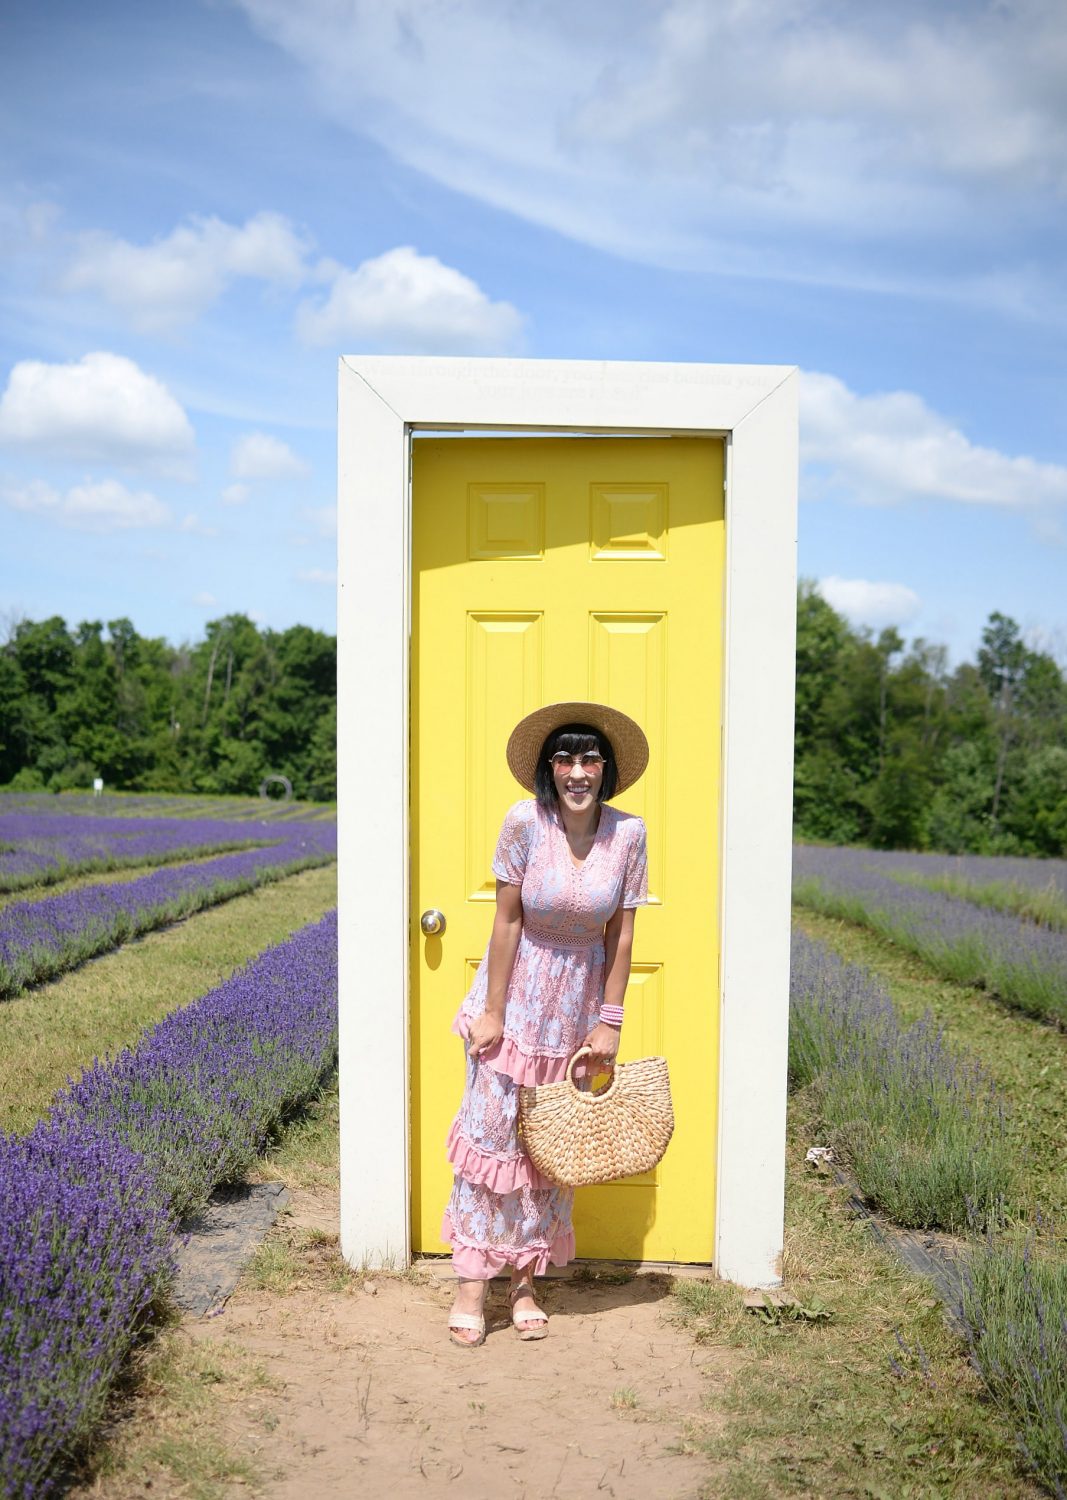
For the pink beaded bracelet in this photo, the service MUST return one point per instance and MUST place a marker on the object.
(611, 1015)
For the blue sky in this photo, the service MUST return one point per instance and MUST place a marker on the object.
(203, 204)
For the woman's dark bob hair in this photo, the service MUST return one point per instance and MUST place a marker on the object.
(575, 739)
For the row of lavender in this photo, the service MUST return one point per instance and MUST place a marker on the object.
(159, 804)
(975, 870)
(39, 939)
(91, 1198)
(1023, 961)
(921, 1127)
(924, 1133)
(40, 848)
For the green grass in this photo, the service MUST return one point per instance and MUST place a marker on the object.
(1027, 1063)
(50, 1035)
(817, 1407)
(1046, 905)
(172, 1438)
(306, 1154)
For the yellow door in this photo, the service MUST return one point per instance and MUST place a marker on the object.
(547, 569)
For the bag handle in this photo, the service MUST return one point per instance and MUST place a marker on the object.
(610, 1067)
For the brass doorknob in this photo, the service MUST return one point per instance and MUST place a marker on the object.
(433, 922)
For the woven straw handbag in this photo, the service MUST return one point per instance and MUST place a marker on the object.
(577, 1138)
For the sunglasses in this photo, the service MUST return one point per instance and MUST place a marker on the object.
(589, 760)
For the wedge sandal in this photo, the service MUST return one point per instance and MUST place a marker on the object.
(466, 1320)
(539, 1318)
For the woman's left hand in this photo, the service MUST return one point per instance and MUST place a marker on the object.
(604, 1041)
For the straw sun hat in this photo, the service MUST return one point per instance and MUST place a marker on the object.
(627, 739)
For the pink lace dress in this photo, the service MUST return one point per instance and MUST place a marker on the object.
(502, 1211)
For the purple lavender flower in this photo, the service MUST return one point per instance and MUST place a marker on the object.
(91, 1198)
(1021, 961)
(1014, 1312)
(40, 848)
(39, 939)
(921, 1126)
(84, 1250)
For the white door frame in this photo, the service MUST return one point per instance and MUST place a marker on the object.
(754, 408)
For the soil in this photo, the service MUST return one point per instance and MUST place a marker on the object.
(371, 1398)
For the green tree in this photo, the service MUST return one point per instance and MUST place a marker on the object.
(1001, 665)
(1037, 811)
(960, 818)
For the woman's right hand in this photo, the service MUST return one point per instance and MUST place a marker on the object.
(485, 1032)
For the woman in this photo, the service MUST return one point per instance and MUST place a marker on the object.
(570, 872)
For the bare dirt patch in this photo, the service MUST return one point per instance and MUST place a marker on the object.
(368, 1396)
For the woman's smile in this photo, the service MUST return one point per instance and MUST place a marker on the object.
(577, 793)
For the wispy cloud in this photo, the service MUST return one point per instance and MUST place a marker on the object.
(175, 278)
(891, 447)
(323, 518)
(874, 604)
(102, 506)
(259, 455)
(695, 134)
(192, 524)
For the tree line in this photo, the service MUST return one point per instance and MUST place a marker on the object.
(896, 751)
(892, 748)
(217, 717)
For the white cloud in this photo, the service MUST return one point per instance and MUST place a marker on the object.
(888, 448)
(174, 279)
(317, 575)
(867, 603)
(411, 303)
(103, 408)
(235, 494)
(258, 455)
(205, 600)
(689, 133)
(102, 506)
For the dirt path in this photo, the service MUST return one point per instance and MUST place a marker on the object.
(372, 1399)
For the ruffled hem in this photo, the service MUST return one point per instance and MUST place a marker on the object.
(480, 1262)
(529, 1068)
(501, 1174)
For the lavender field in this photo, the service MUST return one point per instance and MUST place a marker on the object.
(924, 1127)
(91, 1197)
(42, 938)
(934, 1131)
(40, 848)
(952, 929)
(90, 1200)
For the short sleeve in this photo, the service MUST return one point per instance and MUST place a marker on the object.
(513, 845)
(635, 882)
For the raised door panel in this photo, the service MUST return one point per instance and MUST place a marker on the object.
(628, 669)
(503, 681)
